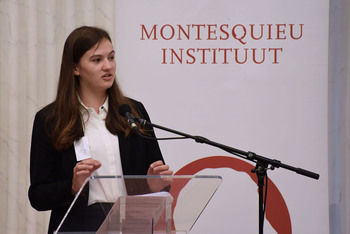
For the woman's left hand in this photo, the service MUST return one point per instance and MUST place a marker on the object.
(158, 168)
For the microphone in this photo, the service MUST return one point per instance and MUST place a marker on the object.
(142, 122)
(125, 111)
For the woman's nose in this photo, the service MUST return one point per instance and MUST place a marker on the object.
(107, 64)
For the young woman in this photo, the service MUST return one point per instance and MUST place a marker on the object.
(84, 118)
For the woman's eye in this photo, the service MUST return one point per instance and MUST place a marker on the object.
(111, 58)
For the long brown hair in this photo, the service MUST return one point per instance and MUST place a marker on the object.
(64, 121)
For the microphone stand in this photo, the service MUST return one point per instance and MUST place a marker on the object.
(262, 163)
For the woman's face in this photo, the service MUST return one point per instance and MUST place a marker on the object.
(96, 68)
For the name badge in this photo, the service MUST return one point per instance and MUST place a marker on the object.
(82, 149)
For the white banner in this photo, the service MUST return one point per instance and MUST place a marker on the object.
(248, 74)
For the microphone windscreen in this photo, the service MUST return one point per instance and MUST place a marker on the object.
(123, 109)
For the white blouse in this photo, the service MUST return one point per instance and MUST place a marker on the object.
(104, 147)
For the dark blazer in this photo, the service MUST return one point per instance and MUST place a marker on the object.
(51, 172)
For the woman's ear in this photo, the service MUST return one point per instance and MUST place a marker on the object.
(76, 70)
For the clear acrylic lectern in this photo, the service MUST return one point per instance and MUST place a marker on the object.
(137, 207)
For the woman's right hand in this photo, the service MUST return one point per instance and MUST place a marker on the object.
(83, 170)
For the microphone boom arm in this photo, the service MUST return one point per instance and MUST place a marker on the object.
(246, 155)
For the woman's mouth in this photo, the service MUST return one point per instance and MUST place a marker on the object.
(107, 76)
